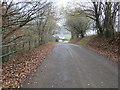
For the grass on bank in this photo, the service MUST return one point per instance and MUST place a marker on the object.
(85, 40)
(67, 36)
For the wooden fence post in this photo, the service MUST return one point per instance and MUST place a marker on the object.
(35, 43)
(23, 46)
(5, 58)
(29, 45)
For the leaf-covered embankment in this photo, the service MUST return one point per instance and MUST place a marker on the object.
(108, 47)
(16, 70)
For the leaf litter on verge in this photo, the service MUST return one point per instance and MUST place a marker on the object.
(16, 70)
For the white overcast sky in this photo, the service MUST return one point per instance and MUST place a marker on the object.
(59, 3)
(63, 2)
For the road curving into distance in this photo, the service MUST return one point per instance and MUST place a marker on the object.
(73, 66)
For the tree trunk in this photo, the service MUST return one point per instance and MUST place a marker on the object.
(74, 35)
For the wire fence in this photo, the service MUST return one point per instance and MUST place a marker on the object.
(12, 49)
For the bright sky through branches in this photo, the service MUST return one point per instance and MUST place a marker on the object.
(63, 3)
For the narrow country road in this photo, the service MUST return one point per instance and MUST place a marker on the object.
(73, 66)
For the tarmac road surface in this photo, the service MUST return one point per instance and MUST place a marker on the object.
(73, 66)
